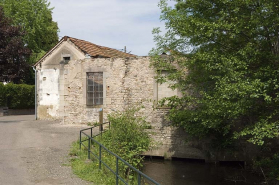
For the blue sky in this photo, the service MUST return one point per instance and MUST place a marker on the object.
(111, 23)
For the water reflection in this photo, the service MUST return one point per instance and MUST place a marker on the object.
(197, 173)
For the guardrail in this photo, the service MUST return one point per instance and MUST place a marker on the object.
(101, 131)
(141, 177)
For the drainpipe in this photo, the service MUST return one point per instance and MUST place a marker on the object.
(35, 92)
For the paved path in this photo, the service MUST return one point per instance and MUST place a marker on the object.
(36, 152)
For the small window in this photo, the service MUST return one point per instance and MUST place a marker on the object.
(66, 59)
(94, 91)
(164, 90)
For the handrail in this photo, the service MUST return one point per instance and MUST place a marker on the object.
(90, 139)
(95, 126)
(91, 131)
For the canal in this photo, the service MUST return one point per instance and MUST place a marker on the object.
(189, 172)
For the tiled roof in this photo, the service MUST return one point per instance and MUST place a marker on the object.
(89, 48)
(95, 50)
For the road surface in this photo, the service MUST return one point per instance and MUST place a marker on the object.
(36, 152)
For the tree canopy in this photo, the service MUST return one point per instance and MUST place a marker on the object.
(35, 17)
(13, 52)
(225, 60)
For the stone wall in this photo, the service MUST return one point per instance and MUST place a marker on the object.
(127, 81)
(50, 81)
(21, 112)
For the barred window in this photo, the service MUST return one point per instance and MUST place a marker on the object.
(94, 91)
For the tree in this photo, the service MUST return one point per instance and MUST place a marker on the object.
(13, 52)
(224, 58)
(35, 17)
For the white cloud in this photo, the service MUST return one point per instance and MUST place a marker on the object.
(111, 23)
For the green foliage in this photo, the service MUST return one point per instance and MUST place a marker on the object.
(224, 58)
(269, 165)
(2, 95)
(93, 123)
(34, 16)
(19, 96)
(88, 169)
(126, 138)
(13, 52)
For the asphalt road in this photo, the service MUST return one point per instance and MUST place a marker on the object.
(36, 152)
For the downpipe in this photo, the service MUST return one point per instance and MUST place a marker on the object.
(35, 91)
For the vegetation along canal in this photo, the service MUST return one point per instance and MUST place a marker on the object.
(186, 172)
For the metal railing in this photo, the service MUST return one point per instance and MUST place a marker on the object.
(141, 177)
(101, 131)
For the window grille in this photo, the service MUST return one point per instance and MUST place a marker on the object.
(94, 88)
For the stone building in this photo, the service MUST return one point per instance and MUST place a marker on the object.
(76, 78)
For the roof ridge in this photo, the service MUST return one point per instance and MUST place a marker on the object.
(87, 41)
(94, 50)
(102, 50)
(49, 52)
(99, 45)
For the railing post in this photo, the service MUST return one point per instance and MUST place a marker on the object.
(117, 171)
(101, 120)
(139, 179)
(79, 140)
(89, 141)
(100, 156)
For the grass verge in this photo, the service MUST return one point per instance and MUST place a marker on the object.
(88, 169)
(127, 138)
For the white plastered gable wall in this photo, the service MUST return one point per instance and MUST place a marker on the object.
(51, 82)
(48, 90)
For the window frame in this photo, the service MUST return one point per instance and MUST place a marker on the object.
(99, 91)
(156, 92)
(66, 59)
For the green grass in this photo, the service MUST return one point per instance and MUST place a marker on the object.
(127, 138)
(88, 169)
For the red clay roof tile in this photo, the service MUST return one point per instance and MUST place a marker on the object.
(89, 48)
(95, 50)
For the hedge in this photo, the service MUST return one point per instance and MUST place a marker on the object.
(17, 96)
(2, 95)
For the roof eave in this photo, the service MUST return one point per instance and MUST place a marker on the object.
(50, 51)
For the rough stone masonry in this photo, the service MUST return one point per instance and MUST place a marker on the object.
(126, 82)
(62, 93)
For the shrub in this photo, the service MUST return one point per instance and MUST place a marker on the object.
(19, 96)
(127, 138)
(270, 166)
(2, 95)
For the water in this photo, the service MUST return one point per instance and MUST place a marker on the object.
(180, 172)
